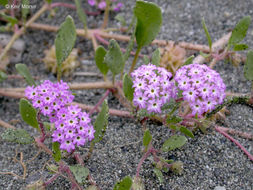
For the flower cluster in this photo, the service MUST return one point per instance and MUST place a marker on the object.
(152, 88)
(72, 127)
(202, 87)
(102, 4)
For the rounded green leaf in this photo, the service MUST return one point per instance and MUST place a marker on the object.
(80, 173)
(101, 123)
(156, 57)
(159, 175)
(248, 67)
(28, 113)
(149, 21)
(186, 131)
(147, 138)
(20, 136)
(240, 31)
(240, 47)
(56, 151)
(3, 76)
(124, 184)
(174, 142)
(99, 59)
(114, 58)
(128, 87)
(65, 40)
(24, 71)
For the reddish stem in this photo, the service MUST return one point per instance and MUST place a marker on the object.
(51, 180)
(144, 157)
(99, 102)
(66, 169)
(43, 134)
(234, 141)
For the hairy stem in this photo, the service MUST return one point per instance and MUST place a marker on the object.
(106, 15)
(99, 102)
(234, 141)
(134, 61)
(42, 129)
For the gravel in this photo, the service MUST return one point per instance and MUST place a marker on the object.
(210, 160)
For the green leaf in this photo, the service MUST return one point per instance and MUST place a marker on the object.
(189, 60)
(147, 139)
(121, 19)
(56, 151)
(186, 132)
(156, 57)
(9, 19)
(65, 41)
(80, 173)
(81, 14)
(159, 175)
(3, 76)
(204, 54)
(101, 123)
(173, 127)
(20, 136)
(99, 58)
(23, 71)
(173, 119)
(3, 2)
(240, 47)
(240, 31)
(128, 87)
(28, 113)
(149, 21)
(114, 58)
(124, 184)
(174, 142)
(49, 1)
(25, 9)
(248, 67)
(207, 34)
(146, 59)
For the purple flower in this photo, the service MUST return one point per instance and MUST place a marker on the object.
(118, 7)
(102, 5)
(72, 126)
(92, 2)
(202, 87)
(67, 145)
(152, 88)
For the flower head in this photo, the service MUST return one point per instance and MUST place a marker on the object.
(202, 87)
(152, 87)
(72, 126)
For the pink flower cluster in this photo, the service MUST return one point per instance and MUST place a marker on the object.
(152, 88)
(202, 87)
(72, 127)
(102, 4)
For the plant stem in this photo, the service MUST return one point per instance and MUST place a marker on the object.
(234, 141)
(6, 125)
(99, 102)
(42, 130)
(106, 15)
(92, 145)
(134, 61)
(144, 157)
